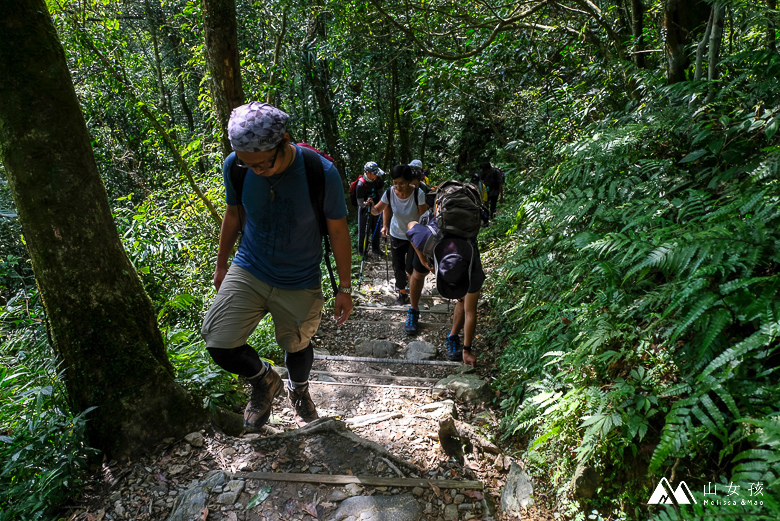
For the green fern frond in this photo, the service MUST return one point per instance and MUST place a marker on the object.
(718, 322)
(754, 341)
(705, 302)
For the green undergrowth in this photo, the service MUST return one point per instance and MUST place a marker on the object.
(43, 456)
(640, 305)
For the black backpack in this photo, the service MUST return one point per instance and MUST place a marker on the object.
(458, 209)
(315, 178)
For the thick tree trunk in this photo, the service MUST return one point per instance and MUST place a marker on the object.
(101, 322)
(227, 93)
(637, 29)
(682, 19)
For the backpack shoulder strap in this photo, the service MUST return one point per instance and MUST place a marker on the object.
(237, 176)
(389, 198)
(315, 178)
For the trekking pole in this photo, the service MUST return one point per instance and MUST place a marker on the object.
(387, 269)
(363, 257)
(365, 249)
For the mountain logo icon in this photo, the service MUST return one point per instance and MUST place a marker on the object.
(664, 495)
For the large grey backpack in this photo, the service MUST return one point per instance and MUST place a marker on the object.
(458, 209)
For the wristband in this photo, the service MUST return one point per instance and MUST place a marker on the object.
(467, 348)
(346, 291)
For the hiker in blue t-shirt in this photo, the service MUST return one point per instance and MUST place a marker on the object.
(277, 267)
(459, 276)
(401, 204)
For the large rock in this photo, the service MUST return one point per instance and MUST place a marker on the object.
(195, 439)
(376, 349)
(231, 492)
(438, 410)
(518, 492)
(585, 482)
(379, 508)
(420, 350)
(467, 387)
(190, 503)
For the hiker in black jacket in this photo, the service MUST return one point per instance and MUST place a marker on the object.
(493, 180)
(368, 192)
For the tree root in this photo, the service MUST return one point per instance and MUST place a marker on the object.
(331, 426)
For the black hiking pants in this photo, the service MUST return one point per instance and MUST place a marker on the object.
(366, 226)
(403, 255)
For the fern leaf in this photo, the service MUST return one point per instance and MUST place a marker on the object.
(754, 341)
(720, 319)
(704, 303)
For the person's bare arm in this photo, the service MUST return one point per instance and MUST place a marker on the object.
(422, 257)
(228, 235)
(342, 253)
(378, 208)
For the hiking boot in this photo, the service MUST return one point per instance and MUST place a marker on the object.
(454, 349)
(264, 390)
(302, 404)
(402, 299)
(412, 316)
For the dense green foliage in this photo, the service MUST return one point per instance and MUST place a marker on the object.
(644, 294)
(637, 250)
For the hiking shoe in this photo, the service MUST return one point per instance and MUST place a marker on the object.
(264, 390)
(454, 349)
(402, 299)
(412, 316)
(302, 404)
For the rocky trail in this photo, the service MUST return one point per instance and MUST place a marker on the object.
(403, 435)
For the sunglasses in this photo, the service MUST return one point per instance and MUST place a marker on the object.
(263, 165)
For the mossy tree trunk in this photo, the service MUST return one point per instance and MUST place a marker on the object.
(683, 21)
(101, 321)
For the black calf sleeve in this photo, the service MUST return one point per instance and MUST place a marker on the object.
(299, 364)
(243, 360)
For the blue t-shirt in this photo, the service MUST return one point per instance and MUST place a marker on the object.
(282, 244)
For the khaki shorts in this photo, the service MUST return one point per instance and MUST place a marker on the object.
(242, 302)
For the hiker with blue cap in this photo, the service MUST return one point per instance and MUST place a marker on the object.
(276, 269)
(459, 276)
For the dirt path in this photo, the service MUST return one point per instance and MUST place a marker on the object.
(378, 435)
